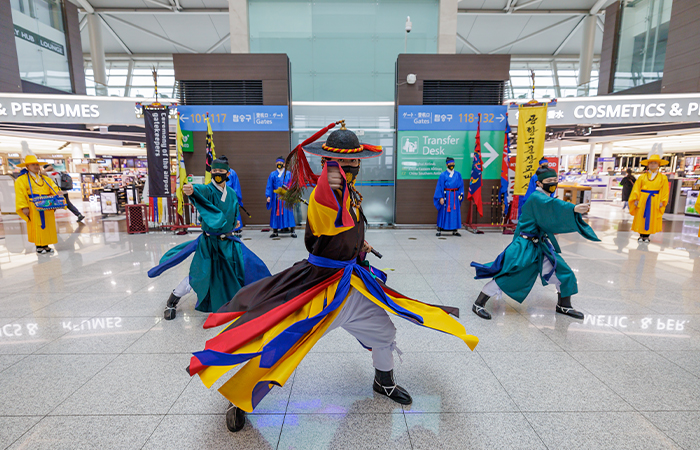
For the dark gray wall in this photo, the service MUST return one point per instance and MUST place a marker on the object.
(9, 67)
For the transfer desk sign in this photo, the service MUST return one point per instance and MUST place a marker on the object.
(427, 135)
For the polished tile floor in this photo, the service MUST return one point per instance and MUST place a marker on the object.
(86, 361)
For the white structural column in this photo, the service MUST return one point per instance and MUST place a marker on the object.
(590, 166)
(238, 21)
(447, 26)
(129, 78)
(97, 54)
(607, 150)
(586, 57)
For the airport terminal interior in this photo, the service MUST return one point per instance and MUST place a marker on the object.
(387, 224)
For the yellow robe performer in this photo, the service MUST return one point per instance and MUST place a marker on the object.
(650, 193)
(41, 225)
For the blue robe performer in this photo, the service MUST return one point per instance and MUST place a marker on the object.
(235, 184)
(278, 320)
(221, 263)
(534, 252)
(449, 193)
(281, 216)
(532, 186)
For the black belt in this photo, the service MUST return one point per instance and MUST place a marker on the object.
(222, 236)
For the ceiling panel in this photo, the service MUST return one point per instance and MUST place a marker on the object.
(490, 32)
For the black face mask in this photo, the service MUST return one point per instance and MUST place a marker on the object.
(550, 187)
(280, 166)
(451, 167)
(220, 177)
(351, 172)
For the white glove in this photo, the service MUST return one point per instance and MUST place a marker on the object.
(583, 208)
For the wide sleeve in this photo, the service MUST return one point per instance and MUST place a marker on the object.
(269, 189)
(439, 191)
(635, 195)
(329, 212)
(235, 184)
(21, 197)
(460, 183)
(664, 191)
(556, 216)
(211, 215)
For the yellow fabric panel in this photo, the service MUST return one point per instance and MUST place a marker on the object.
(211, 374)
(659, 183)
(433, 317)
(322, 219)
(238, 390)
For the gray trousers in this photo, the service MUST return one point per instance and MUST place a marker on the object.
(371, 325)
(183, 288)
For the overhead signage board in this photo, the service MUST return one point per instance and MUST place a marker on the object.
(39, 40)
(234, 118)
(451, 117)
(620, 109)
(82, 109)
(427, 135)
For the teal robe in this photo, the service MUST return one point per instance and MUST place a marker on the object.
(517, 268)
(217, 269)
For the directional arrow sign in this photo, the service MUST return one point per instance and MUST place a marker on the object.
(492, 154)
(501, 118)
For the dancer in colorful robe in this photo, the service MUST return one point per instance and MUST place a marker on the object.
(221, 263)
(449, 193)
(41, 225)
(276, 321)
(649, 198)
(534, 251)
(281, 216)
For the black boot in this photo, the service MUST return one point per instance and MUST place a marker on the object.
(294, 235)
(478, 306)
(235, 418)
(456, 233)
(384, 384)
(171, 307)
(274, 233)
(564, 307)
(439, 232)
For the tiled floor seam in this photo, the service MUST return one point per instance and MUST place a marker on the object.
(166, 414)
(520, 411)
(284, 417)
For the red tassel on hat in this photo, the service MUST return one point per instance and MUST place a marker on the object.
(298, 166)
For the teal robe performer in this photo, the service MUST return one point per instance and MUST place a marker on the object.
(532, 187)
(221, 264)
(448, 197)
(535, 252)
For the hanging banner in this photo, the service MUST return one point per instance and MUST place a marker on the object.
(532, 121)
(157, 151)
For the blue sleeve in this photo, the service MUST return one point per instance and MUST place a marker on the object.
(439, 191)
(461, 185)
(532, 187)
(269, 189)
(237, 187)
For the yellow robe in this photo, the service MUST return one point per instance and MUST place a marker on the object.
(37, 235)
(652, 223)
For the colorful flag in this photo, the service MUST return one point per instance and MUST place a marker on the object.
(505, 164)
(211, 154)
(532, 124)
(181, 172)
(477, 171)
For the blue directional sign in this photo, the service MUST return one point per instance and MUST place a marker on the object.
(234, 118)
(451, 117)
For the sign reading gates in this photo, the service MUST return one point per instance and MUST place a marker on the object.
(427, 135)
(234, 118)
(158, 151)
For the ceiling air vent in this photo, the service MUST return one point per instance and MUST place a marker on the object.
(441, 92)
(220, 92)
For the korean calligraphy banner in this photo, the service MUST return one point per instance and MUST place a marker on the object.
(157, 151)
(532, 123)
